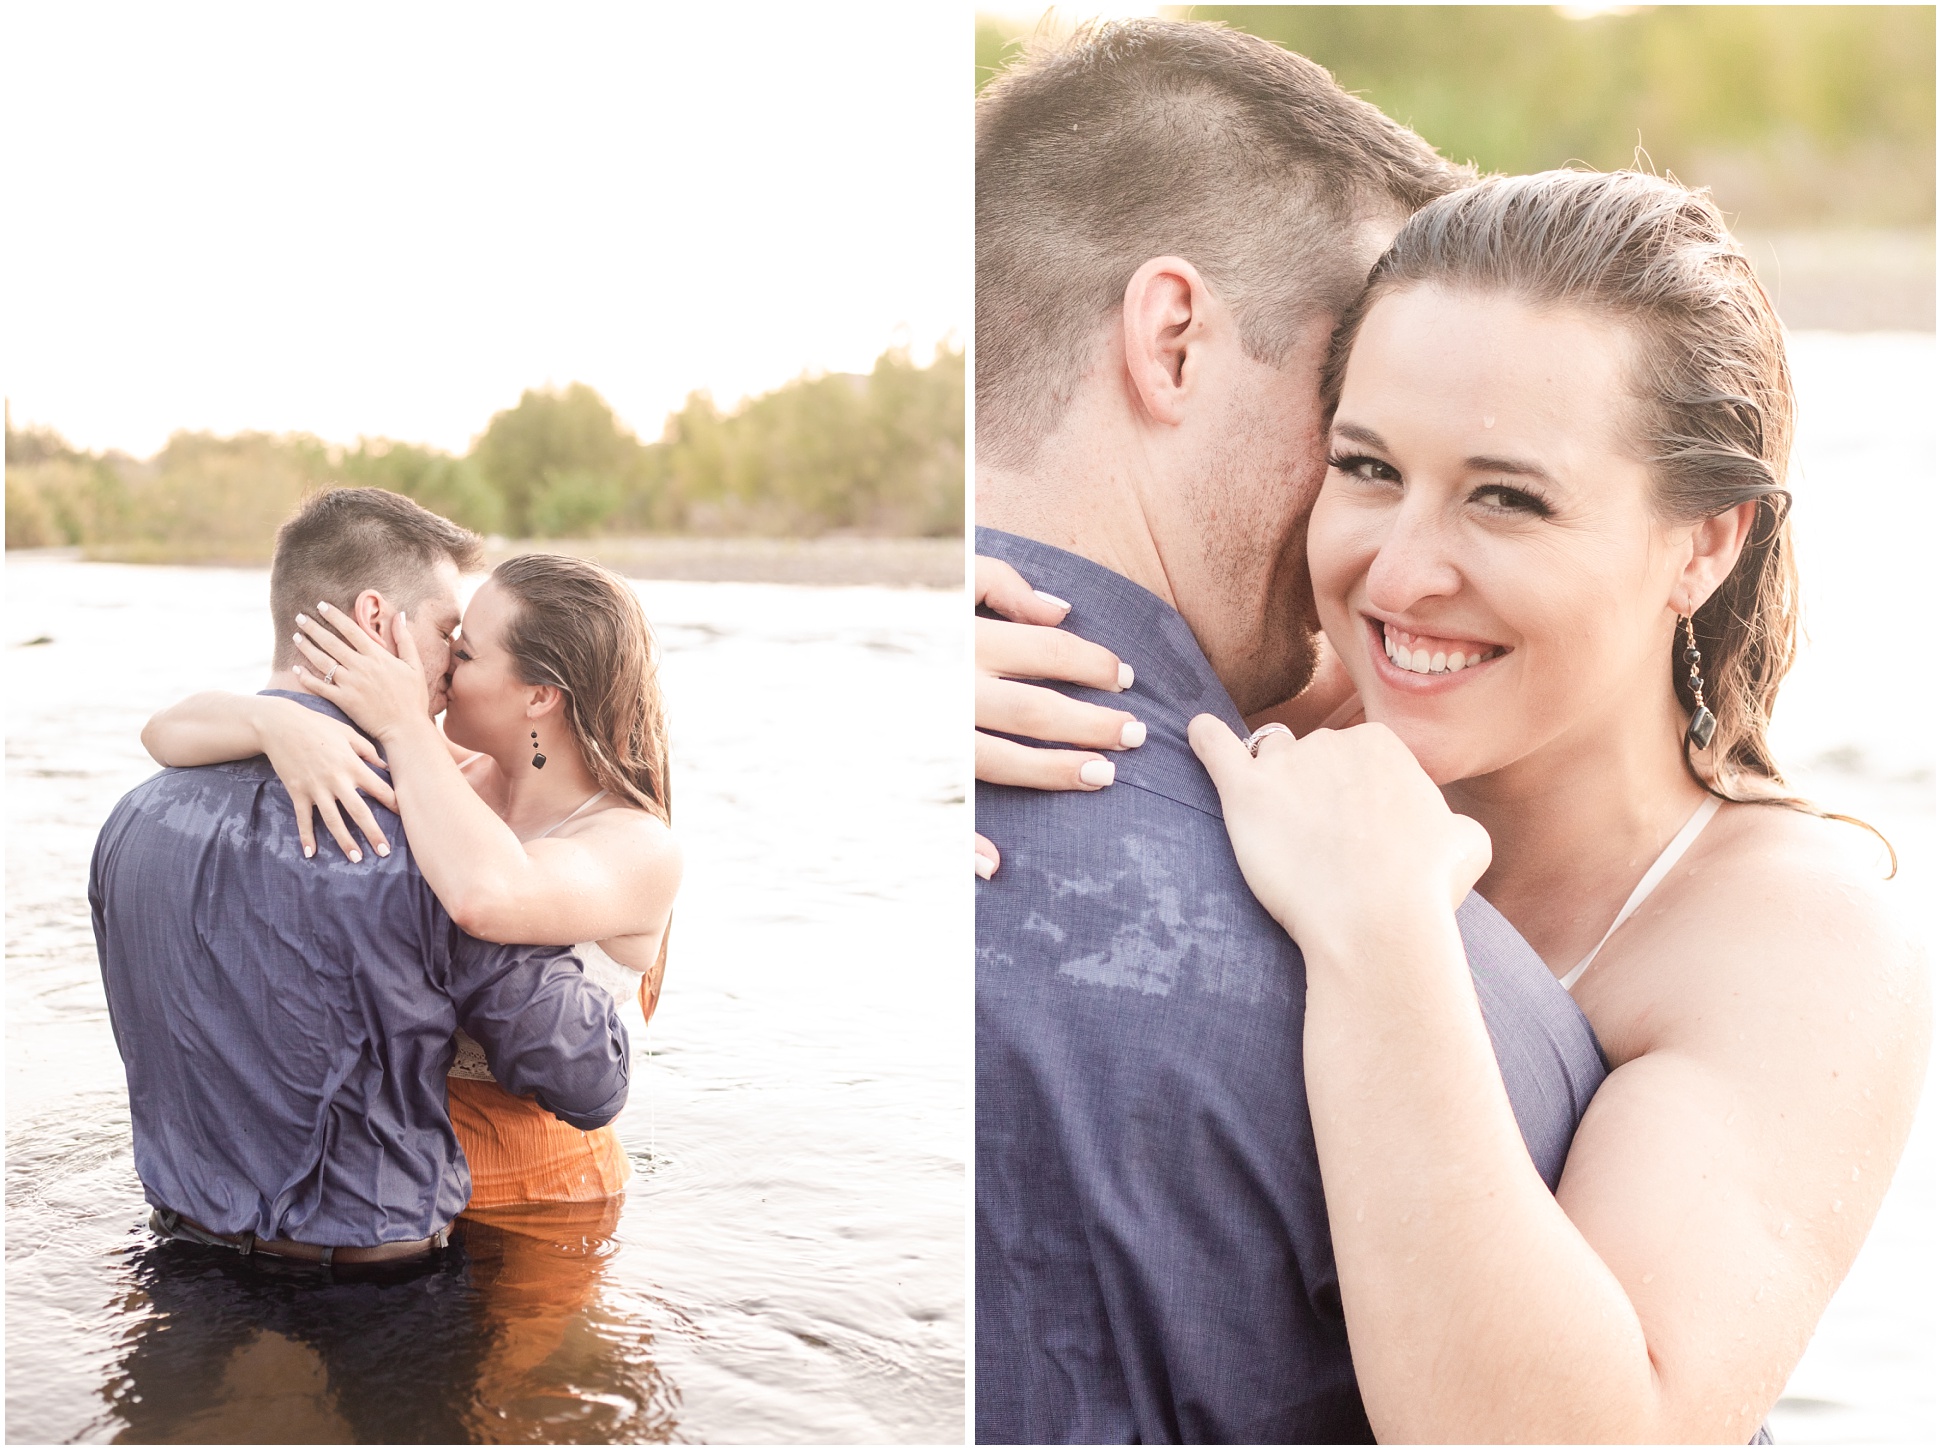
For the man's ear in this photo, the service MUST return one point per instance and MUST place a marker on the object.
(370, 612)
(1167, 315)
(1716, 544)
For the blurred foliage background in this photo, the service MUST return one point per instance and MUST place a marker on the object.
(877, 454)
(1813, 125)
(1795, 114)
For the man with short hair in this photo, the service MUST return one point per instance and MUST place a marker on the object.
(286, 1023)
(1170, 217)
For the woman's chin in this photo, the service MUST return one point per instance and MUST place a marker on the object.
(1446, 751)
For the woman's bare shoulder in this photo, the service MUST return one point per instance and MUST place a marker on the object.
(644, 837)
(1784, 928)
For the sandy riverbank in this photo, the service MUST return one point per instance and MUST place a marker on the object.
(915, 563)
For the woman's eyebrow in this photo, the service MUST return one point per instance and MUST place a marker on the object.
(1490, 464)
(1355, 433)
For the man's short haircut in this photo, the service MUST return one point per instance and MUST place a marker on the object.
(1148, 138)
(346, 540)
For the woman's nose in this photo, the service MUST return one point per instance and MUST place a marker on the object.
(1416, 561)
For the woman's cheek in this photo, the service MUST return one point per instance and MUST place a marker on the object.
(1340, 546)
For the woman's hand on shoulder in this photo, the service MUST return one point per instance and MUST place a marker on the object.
(1340, 833)
(1026, 644)
(326, 767)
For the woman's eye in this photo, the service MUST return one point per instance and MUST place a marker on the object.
(458, 652)
(1510, 500)
(1372, 470)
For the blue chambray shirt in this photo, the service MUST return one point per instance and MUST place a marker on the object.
(286, 1024)
(1153, 1258)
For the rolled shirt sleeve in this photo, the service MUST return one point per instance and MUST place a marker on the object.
(548, 1032)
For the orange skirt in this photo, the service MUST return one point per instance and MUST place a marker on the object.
(520, 1153)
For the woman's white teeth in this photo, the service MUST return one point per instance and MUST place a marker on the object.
(1418, 660)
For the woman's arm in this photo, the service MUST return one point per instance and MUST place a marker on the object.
(616, 876)
(322, 762)
(1717, 1189)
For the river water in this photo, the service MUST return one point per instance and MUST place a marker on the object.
(789, 1261)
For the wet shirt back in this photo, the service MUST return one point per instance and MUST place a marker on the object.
(286, 1024)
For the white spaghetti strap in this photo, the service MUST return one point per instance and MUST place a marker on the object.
(1660, 869)
(564, 819)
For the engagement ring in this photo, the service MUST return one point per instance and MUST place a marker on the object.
(1272, 727)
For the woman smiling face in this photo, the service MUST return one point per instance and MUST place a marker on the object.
(1485, 555)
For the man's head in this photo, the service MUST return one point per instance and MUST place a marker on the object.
(1170, 218)
(370, 553)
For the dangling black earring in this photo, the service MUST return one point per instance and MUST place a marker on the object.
(1703, 721)
(539, 761)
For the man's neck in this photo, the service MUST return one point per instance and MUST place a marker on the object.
(1100, 518)
(290, 680)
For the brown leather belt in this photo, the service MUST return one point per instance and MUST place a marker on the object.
(171, 1224)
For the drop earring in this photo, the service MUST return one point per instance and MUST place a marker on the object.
(538, 760)
(1703, 721)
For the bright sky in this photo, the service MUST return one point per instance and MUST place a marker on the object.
(388, 220)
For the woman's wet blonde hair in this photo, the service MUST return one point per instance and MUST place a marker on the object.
(580, 628)
(1714, 397)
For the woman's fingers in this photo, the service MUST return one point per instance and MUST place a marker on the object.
(1002, 590)
(345, 627)
(1224, 754)
(322, 674)
(984, 855)
(306, 824)
(402, 644)
(360, 813)
(1041, 714)
(364, 747)
(339, 832)
(375, 786)
(1005, 762)
(323, 638)
(1033, 652)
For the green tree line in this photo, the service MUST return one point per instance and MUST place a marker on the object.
(1795, 115)
(876, 453)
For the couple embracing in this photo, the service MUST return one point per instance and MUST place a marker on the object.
(1489, 1045)
(337, 1041)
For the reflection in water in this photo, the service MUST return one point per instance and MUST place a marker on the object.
(501, 1339)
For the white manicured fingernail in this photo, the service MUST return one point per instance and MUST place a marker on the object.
(1097, 772)
(985, 865)
(383, 850)
(1125, 676)
(1132, 733)
(1052, 599)
(303, 619)
(356, 856)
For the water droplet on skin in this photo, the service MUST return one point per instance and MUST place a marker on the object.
(1489, 420)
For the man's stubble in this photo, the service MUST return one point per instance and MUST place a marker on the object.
(1252, 499)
